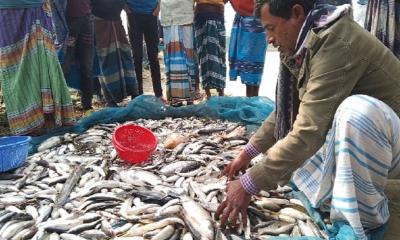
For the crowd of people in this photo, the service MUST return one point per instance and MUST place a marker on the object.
(84, 41)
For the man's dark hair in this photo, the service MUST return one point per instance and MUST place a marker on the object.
(282, 8)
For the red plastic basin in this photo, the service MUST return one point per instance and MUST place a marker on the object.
(134, 143)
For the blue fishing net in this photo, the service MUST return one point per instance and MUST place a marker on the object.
(249, 111)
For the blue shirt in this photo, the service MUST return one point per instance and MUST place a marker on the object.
(20, 3)
(145, 7)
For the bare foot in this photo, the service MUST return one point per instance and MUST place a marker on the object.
(198, 96)
(208, 93)
(163, 100)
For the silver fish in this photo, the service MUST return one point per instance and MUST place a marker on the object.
(133, 176)
(198, 219)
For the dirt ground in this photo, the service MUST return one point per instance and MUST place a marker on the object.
(97, 104)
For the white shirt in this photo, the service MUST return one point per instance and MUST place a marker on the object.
(176, 12)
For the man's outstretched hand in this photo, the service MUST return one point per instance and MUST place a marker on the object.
(237, 200)
(239, 164)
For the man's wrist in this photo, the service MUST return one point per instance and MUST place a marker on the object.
(251, 150)
(249, 185)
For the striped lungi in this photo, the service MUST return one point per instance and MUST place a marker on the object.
(347, 176)
(31, 77)
(116, 69)
(179, 62)
(210, 46)
(247, 49)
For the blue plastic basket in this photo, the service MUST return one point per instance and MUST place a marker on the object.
(13, 152)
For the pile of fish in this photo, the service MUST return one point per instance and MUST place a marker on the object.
(76, 187)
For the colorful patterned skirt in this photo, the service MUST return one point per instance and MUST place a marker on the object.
(179, 62)
(210, 46)
(31, 77)
(383, 21)
(115, 62)
(247, 49)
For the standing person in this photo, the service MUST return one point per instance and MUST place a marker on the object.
(59, 8)
(383, 21)
(117, 72)
(210, 40)
(247, 47)
(335, 131)
(178, 51)
(31, 78)
(142, 22)
(80, 47)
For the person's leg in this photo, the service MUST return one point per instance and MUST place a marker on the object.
(85, 53)
(256, 90)
(208, 92)
(252, 91)
(361, 151)
(145, 60)
(136, 40)
(248, 90)
(220, 92)
(151, 38)
(74, 25)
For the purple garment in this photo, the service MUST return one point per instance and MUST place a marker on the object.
(246, 181)
(78, 8)
(13, 30)
(251, 150)
(249, 185)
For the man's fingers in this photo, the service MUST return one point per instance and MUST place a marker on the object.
(244, 217)
(232, 173)
(225, 216)
(226, 170)
(220, 208)
(233, 217)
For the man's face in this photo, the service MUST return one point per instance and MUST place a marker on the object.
(282, 33)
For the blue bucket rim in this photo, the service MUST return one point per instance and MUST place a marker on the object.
(24, 139)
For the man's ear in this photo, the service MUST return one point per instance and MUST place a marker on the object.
(298, 13)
